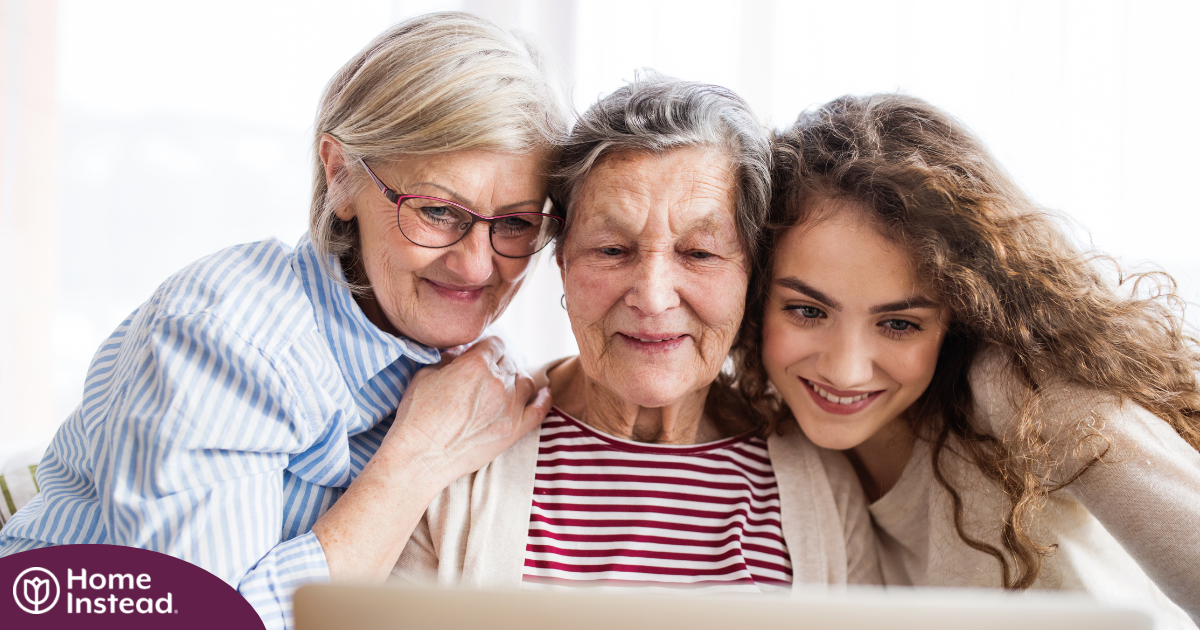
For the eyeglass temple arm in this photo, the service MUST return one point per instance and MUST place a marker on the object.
(392, 195)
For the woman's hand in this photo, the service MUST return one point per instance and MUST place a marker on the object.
(454, 418)
(460, 414)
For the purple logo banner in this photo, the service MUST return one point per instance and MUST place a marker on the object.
(109, 586)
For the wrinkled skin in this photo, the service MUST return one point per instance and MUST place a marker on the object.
(655, 281)
(443, 297)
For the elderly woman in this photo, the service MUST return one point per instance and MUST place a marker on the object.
(649, 471)
(281, 415)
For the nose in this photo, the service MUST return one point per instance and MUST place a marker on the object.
(471, 258)
(847, 361)
(653, 289)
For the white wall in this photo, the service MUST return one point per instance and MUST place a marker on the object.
(29, 224)
(183, 127)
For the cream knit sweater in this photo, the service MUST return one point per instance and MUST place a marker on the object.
(1127, 531)
(474, 532)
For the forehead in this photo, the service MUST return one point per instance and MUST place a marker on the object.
(841, 252)
(682, 190)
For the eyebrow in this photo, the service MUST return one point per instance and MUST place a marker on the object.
(917, 301)
(799, 286)
(456, 198)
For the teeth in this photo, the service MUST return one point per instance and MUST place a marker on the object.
(655, 340)
(841, 400)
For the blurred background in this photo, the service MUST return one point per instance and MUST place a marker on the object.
(138, 136)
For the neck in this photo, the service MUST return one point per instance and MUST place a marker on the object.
(880, 460)
(369, 305)
(679, 422)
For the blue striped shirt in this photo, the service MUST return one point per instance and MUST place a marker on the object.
(221, 419)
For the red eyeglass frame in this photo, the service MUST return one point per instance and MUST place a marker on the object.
(398, 199)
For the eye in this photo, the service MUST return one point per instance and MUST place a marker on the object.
(898, 328)
(804, 315)
(610, 251)
(511, 226)
(808, 312)
(700, 255)
(437, 214)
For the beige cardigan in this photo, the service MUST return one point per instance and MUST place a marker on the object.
(474, 532)
(1127, 531)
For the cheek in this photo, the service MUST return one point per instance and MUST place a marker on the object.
(591, 291)
(782, 345)
(393, 270)
(391, 263)
(914, 366)
(512, 270)
(717, 297)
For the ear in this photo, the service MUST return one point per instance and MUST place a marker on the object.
(334, 159)
(558, 258)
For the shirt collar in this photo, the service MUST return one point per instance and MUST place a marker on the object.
(362, 350)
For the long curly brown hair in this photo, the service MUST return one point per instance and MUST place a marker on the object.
(1009, 277)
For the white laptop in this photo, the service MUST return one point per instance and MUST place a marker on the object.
(327, 607)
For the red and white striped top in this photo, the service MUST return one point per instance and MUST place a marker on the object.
(611, 512)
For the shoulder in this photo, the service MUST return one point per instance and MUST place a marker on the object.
(474, 531)
(227, 323)
(556, 373)
(1055, 406)
(251, 289)
(824, 513)
(563, 377)
(995, 387)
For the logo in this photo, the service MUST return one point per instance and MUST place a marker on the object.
(36, 590)
(110, 586)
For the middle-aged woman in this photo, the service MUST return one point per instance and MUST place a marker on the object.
(1017, 420)
(279, 415)
(649, 472)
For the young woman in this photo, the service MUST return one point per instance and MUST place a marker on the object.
(1016, 420)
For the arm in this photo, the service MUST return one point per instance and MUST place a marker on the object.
(189, 453)
(1145, 491)
(204, 425)
(453, 419)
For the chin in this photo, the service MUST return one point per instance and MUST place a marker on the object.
(834, 438)
(648, 389)
(439, 337)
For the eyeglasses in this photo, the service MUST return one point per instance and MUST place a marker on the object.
(436, 223)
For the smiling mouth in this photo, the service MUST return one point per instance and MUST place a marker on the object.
(454, 288)
(665, 339)
(835, 399)
(665, 343)
(465, 295)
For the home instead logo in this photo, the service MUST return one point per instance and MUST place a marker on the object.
(107, 586)
(36, 590)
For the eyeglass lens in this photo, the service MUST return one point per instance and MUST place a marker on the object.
(438, 223)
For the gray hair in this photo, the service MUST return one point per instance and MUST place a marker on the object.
(655, 113)
(438, 83)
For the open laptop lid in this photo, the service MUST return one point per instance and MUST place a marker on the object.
(327, 607)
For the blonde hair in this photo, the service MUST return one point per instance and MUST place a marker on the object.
(438, 83)
(1010, 279)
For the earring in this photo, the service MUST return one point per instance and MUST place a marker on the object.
(563, 301)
